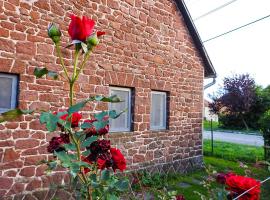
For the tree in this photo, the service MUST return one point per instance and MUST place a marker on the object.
(265, 129)
(236, 98)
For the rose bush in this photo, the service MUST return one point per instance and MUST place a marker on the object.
(80, 147)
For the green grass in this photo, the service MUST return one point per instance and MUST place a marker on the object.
(234, 152)
(207, 125)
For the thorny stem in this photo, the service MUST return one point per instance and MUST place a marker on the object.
(86, 57)
(59, 53)
(71, 93)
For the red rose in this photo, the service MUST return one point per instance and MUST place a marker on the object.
(56, 143)
(75, 118)
(92, 131)
(80, 29)
(239, 184)
(119, 161)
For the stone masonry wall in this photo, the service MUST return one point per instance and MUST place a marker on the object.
(147, 47)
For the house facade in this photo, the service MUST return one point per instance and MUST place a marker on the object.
(151, 56)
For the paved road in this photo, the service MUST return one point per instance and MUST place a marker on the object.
(235, 138)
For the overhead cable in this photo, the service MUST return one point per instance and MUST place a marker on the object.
(214, 10)
(235, 29)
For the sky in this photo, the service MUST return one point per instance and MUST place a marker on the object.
(243, 51)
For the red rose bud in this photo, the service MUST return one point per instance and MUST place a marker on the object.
(80, 29)
(100, 33)
(92, 41)
(54, 33)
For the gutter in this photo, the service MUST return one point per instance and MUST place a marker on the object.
(210, 84)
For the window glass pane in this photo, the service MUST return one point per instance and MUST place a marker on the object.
(158, 110)
(5, 92)
(122, 122)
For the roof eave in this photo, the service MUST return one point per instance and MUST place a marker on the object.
(209, 70)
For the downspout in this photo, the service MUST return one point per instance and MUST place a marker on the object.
(210, 84)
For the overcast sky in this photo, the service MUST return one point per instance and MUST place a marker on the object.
(243, 51)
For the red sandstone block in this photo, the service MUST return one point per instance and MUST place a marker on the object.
(4, 32)
(10, 165)
(5, 182)
(28, 171)
(17, 188)
(7, 45)
(26, 143)
(33, 160)
(138, 158)
(6, 143)
(35, 184)
(10, 155)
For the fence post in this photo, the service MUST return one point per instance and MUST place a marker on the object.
(212, 138)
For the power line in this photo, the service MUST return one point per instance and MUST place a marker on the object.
(214, 10)
(240, 27)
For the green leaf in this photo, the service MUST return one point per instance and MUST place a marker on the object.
(105, 175)
(13, 114)
(86, 125)
(80, 135)
(100, 116)
(86, 153)
(77, 107)
(100, 124)
(121, 185)
(89, 141)
(113, 114)
(39, 72)
(70, 146)
(74, 168)
(50, 120)
(111, 99)
(63, 156)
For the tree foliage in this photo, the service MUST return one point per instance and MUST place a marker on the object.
(236, 98)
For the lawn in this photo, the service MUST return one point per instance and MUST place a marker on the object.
(233, 152)
(189, 183)
(207, 125)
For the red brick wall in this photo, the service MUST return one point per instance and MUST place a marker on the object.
(147, 47)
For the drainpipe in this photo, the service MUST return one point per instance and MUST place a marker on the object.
(210, 84)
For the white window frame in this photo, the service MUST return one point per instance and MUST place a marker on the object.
(165, 114)
(128, 129)
(13, 99)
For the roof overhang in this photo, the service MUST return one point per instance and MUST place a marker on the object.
(209, 70)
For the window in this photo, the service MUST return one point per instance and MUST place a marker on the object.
(122, 123)
(158, 110)
(8, 92)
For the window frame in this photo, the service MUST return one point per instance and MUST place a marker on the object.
(14, 91)
(129, 114)
(165, 112)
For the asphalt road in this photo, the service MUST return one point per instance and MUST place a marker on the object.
(237, 138)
